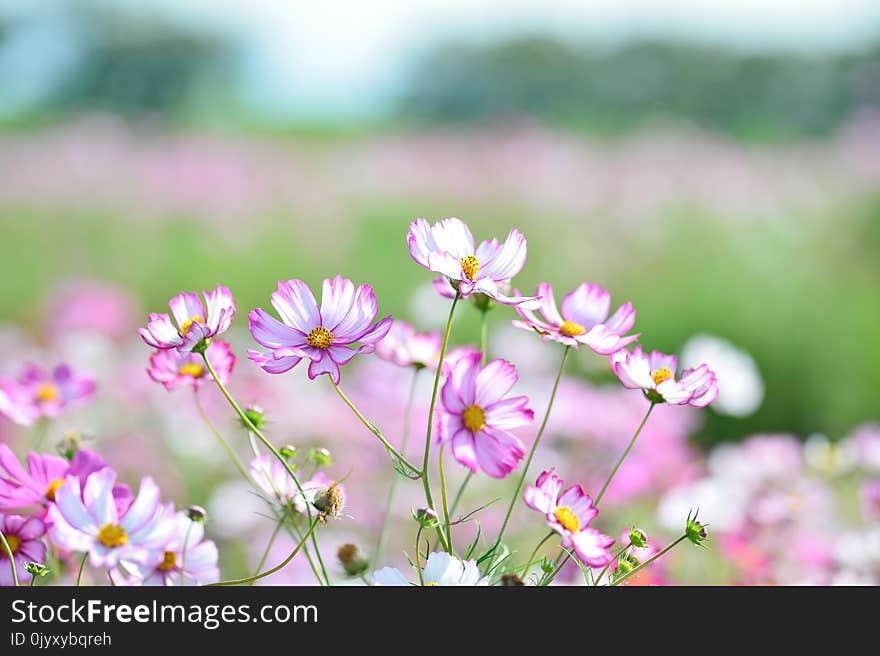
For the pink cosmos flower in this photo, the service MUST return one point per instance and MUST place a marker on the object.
(37, 485)
(275, 483)
(192, 324)
(569, 513)
(584, 319)
(407, 348)
(448, 247)
(187, 556)
(327, 337)
(38, 393)
(654, 374)
(870, 497)
(174, 369)
(87, 519)
(23, 536)
(478, 415)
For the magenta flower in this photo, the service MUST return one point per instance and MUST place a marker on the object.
(407, 348)
(187, 557)
(584, 319)
(23, 536)
(192, 324)
(654, 374)
(448, 247)
(327, 337)
(37, 485)
(174, 369)
(569, 513)
(39, 393)
(87, 519)
(478, 415)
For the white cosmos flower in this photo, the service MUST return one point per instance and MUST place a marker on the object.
(740, 386)
(441, 569)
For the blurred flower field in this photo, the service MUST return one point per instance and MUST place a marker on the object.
(759, 260)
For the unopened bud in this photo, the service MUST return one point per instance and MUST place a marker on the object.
(256, 418)
(288, 451)
(547, 565)
(638, 538)
(70, 444)
(320, 457)
(695, 531)
(196, 514)
(351, 560)
(36, 569)
(426, 517)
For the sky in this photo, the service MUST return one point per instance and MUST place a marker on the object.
(334, 58)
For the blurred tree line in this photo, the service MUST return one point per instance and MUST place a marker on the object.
(747, 95)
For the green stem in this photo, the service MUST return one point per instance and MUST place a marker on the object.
(374, 430)
(624, 455)
(535, 552)
(426, 484)
(278, 567)
(226, 446)
(320, 560)
(271, 542)
(460, 493)
(8, 551)
(650, 560)
(183, 553)
(484, 337)
(386, 521)
(82, 566)
(534, 448)
(616, 556)
(446, 523)
(418, 558)
(256, 431)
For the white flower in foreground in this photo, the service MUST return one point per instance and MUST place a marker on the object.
(441, 569)
(740, 386)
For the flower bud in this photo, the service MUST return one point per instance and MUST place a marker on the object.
(426, 517)
(351, 560)
(511, 580)
(320, 457)
(70, 444)
(547, 565)
(196, 514)
(288, 451)
(694, 530)
(36, 569)
(638, 538)
(255, 416)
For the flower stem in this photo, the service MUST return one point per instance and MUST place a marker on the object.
(183, 553)
(650, 560)
(407, 417)
(8, 551)
(535, 552)
(624, 455)
(226, 446)
(271, 542)
(426, 484)
(278, 567)
(534, 448)
(460, 493)
(616, 556)
(418, 558)
(256, 431)
(82, 566)
(375, 431)
(446, 523)
(320, 560)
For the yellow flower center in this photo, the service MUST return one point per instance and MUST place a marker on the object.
(47, 393)
(112, 536)
(660, 375)
(474, 418)
(186, 325)
(571, 329)
(568, 519)
(53, 488)
(193, 369)
(13, 542)
(430, 584)
(169, 561)
(320, 338)
(470, 265)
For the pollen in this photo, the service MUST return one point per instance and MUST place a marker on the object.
(53, 488)
(470, 265)
(111, 535)
(660, 375)
(192, 369)
(320, 338)
(13, 542)
(566, 517)
(430, 584)
(169, 561)
(186, 325)
(571, 329)
(474, 418)
(47, 393)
